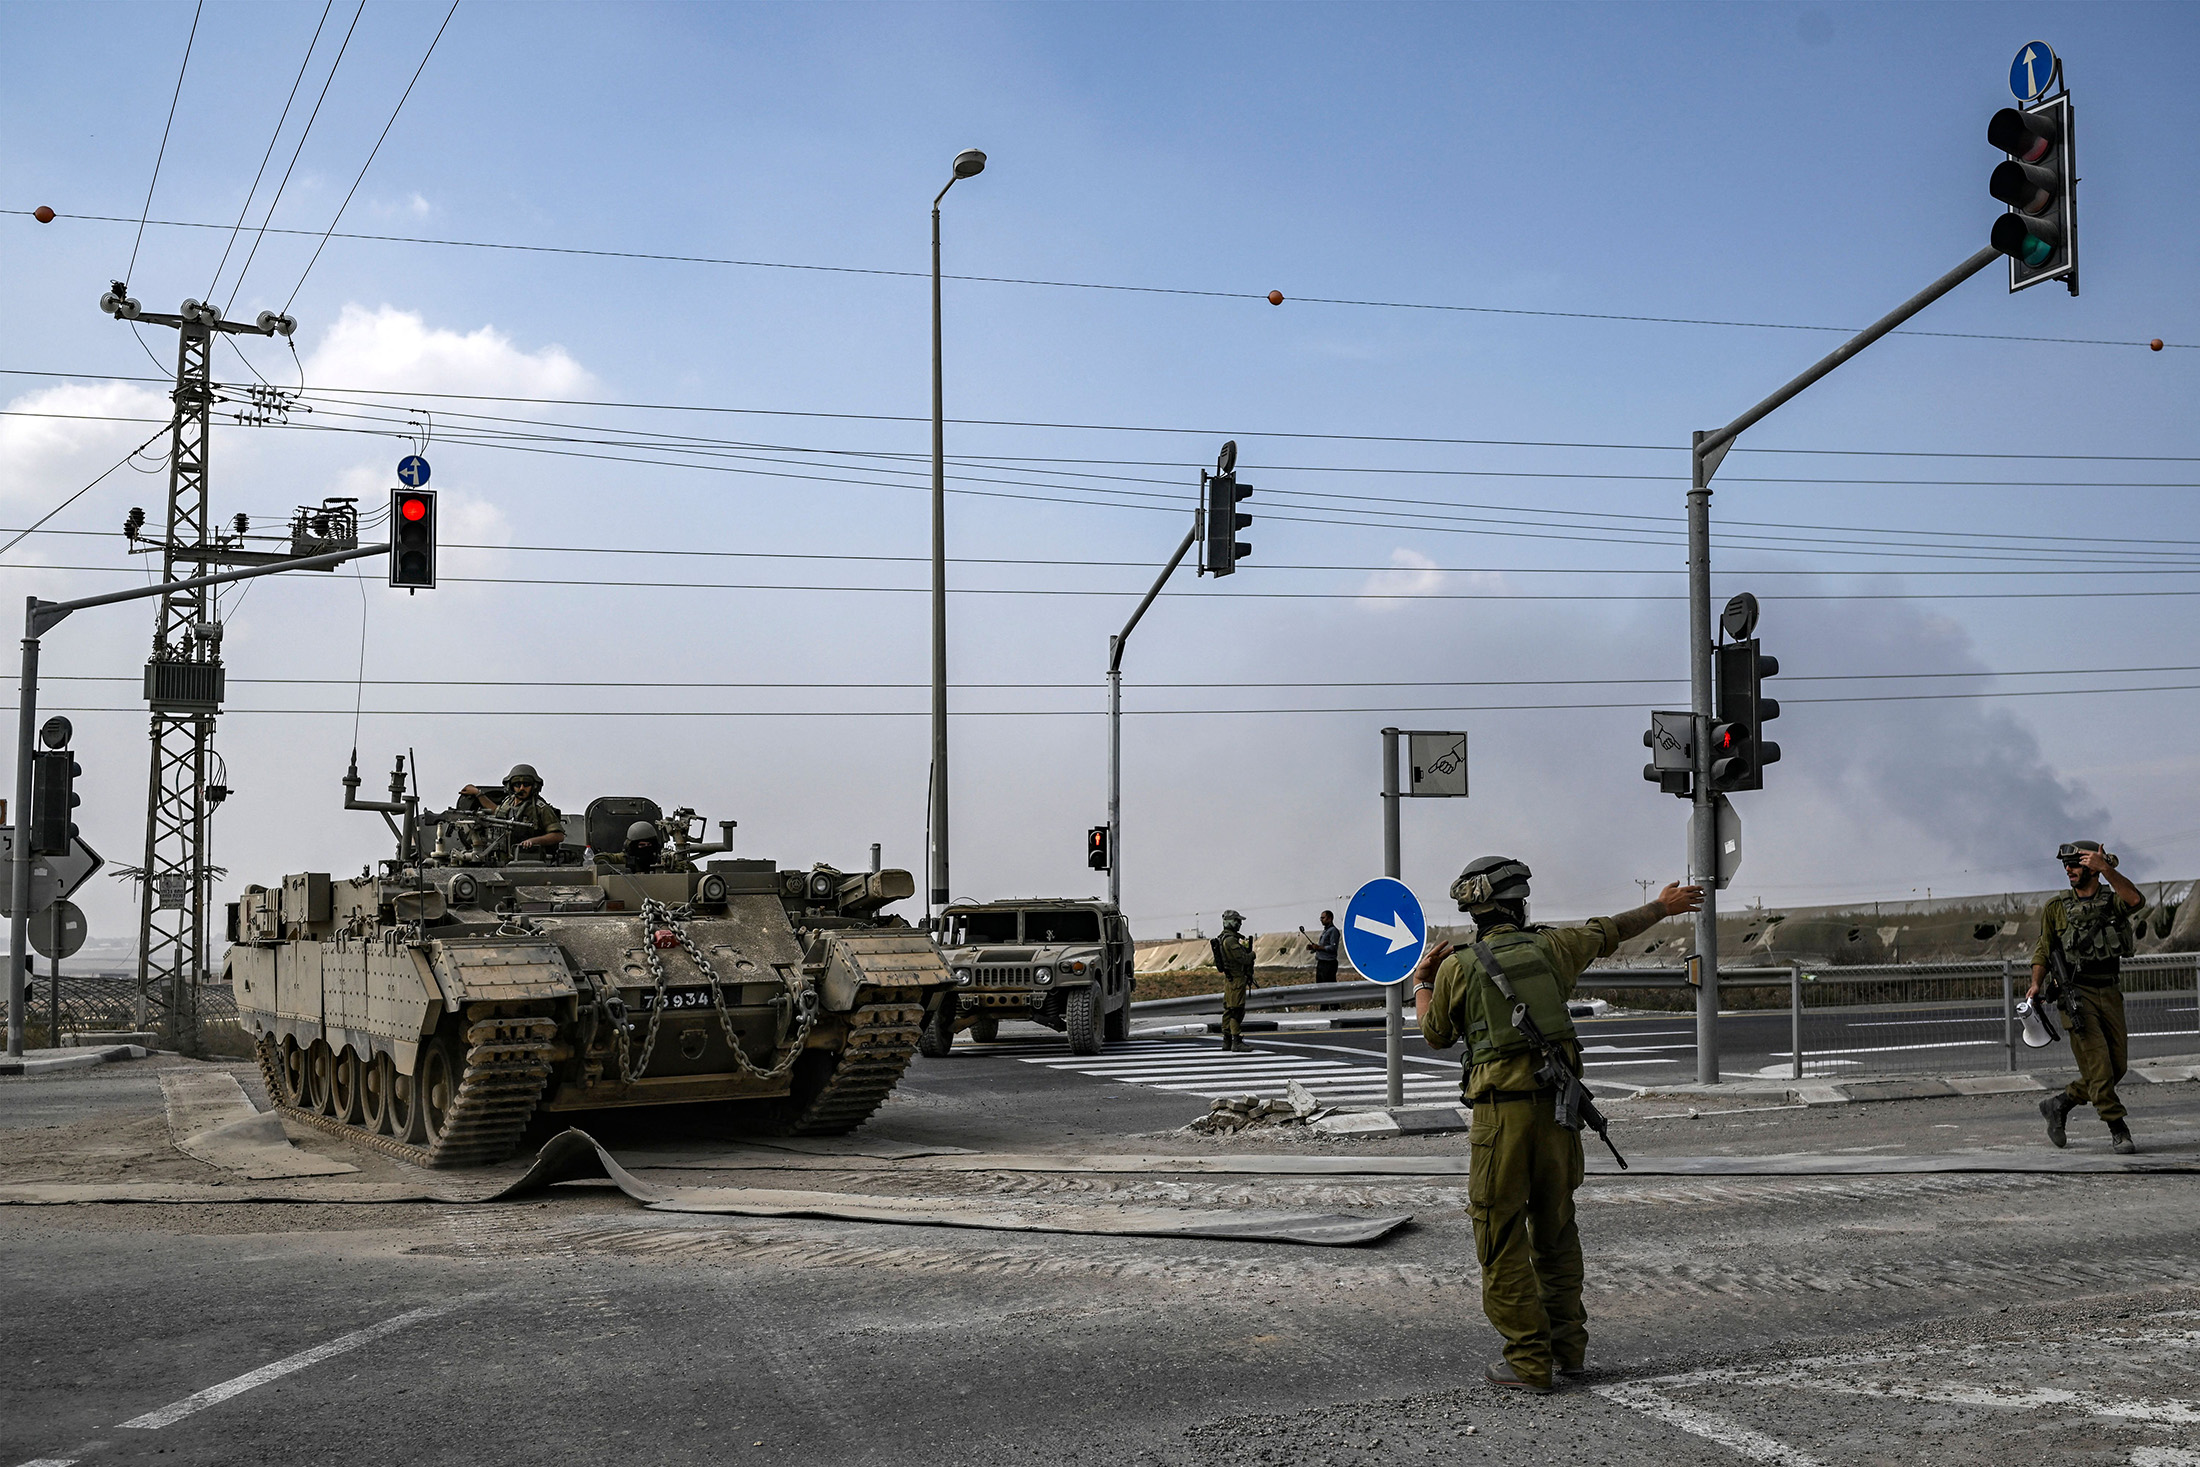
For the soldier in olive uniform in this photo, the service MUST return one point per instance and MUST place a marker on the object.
(1524, 1165)
(2091, 924)
(1234, 957)
(523, 801)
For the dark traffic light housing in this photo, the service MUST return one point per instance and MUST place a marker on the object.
(1672, 752)
(53, 802)
(1223, 549)
(1739, 749)
(1096, 848)
(412, 539)
(2039, 183)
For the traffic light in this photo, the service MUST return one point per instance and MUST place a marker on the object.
(1739, 749)
(412, 539)
(2039, 183)
(1223, 550)
(53, 802)
(1096, 848)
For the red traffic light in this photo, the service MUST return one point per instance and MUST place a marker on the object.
(413, 508)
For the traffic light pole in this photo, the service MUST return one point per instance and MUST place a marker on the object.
(39, 617)
(1706, 453)
(1116, 644)
(1394, 998)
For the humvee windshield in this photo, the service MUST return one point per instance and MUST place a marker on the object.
(974, 927)
(1060, 927)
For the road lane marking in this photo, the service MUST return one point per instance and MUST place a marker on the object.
(214, 1395)
(51, 1462)
(1732, 1435)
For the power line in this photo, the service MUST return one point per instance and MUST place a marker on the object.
(1129, 593)
(675, 407)
(304, 133)
(1166, 290)
(340, 208)
(631, 713)
(64, 504)
(166, 127)
(273, 138)
(1202, 685)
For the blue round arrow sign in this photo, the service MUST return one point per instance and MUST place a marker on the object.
(412, 471)
(1384, 930)
(2033, 71)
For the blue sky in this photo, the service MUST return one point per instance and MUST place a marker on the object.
(1783, 164)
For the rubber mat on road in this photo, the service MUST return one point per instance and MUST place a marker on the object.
(210, 1120)
(576, 1156)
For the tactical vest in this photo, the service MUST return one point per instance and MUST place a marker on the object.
(1490, 1031)
(1234, 956)
(2097, 929)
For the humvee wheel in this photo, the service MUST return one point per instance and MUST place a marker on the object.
(344, 1091)
(375, 1079)
(936, 1035)
(985, 1028)
(293, 1075)
(1116, 1028)
(320, 1078)
(1082, 1018)
(437, 1089)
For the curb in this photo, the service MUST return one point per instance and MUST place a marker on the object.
(2167, 1070)
(72, 1061)
(1432, 1120)
(1260, 1026)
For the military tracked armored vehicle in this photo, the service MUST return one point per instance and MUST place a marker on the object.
(1065, 962)
(432, 1007)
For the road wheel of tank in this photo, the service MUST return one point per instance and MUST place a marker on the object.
(985, 1028)
(320, 1079)
(1116, 1028)
(346, 1085)
(404, 1110)
(1082, 1019)
(936, 1035)
(293, 1075)
(437, 1088)
(376, 1076)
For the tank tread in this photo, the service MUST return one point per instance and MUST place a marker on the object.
(881, 1038)
(507, 1063)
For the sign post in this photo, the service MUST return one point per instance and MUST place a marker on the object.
(1438, 764)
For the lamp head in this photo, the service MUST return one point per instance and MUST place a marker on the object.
(969, 163)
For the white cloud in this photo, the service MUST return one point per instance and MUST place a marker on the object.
(393, 350)
(1387, 590)
(44, 459)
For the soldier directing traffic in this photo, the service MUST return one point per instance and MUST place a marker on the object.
(1234, 957)
(2085, 934)
(523, 802)
(1526, 1159)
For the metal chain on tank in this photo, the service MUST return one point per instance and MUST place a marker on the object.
(654, 912)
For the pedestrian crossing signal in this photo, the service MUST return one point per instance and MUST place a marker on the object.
(412, 539)
(1096, 848)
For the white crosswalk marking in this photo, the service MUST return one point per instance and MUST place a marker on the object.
(1189, 1067)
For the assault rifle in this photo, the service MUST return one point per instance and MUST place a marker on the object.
(1574, 1105)
(2062, 983)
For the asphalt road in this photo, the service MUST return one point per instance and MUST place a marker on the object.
(1958, 1318)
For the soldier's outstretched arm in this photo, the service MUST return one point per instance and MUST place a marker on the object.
(1675, 901)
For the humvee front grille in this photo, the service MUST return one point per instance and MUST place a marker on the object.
(1005, 975)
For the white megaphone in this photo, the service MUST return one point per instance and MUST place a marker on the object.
(2039, 1030)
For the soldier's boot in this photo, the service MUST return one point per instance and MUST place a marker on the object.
(1500, 1373)
(2057, 1108)
(2119, 1136)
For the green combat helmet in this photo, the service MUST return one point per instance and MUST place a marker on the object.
(1231, 921)
(523, 773)
(1489, 880)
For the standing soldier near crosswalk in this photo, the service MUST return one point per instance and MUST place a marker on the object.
(1234, 959)
(1525, 1163)
(2085, 934)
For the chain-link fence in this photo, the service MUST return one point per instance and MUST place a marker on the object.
(95, 1003)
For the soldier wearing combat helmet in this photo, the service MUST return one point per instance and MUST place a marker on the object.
(523, 802)
(1525, 1165)
(1234, 958)
(2085, 933)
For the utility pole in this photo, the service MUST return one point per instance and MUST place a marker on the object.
(1394, 995)
(968, 164)
(184, 678)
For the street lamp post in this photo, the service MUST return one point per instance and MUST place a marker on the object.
(968, 164)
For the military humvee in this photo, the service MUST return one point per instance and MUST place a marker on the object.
(431, 1007)
(1065, 962)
